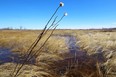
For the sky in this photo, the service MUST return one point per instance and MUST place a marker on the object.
(34, 14)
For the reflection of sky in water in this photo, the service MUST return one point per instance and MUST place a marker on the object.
(7, 56)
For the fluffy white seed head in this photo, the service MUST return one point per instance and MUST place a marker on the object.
(61, 4)
(65, 14)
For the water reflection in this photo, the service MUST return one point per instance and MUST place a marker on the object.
(7, 56)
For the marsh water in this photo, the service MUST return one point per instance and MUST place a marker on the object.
(74, 50)
(78, 56)
(70, 42)
(7, 56)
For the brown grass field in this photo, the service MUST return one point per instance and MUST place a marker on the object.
(68, 53)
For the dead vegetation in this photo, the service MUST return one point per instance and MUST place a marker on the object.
(99, 60)
(92, 54)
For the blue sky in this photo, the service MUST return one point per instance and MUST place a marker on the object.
(82, 14)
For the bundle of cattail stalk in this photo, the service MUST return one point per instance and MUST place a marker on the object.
(31, 52)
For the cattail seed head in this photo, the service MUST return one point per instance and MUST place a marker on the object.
(65, 14)
(61, 4)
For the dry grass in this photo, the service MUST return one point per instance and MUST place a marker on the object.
(99, 42)
(52, 62)
(19, 40)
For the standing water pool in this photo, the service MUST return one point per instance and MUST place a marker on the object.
(7, 56)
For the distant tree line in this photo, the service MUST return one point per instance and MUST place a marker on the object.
(7, 28)
(10, 28)
(103, 29)
(108, 29)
